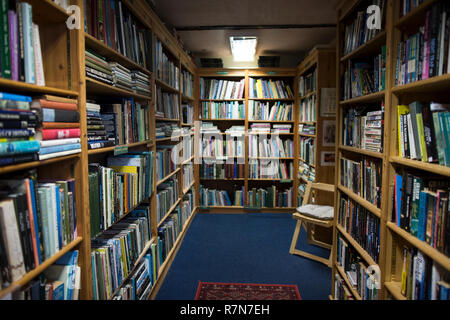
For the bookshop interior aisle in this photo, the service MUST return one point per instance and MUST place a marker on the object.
(181, 150)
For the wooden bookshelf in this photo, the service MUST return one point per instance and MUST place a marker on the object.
(64, 68)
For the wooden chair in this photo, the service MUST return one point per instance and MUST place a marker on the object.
(309, 221)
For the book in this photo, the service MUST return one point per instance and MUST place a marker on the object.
(52, 134)
(42, 103)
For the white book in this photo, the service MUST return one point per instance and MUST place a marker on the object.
(442, 43)
(39, 66)
(412, 145)
(58, 154)
(58, 142)
(11, 239)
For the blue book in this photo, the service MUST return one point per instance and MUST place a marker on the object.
(398, 196)
(422, 215)
(16, 133)
(58, 290)
(14, 97)
(19, 147)
(58, 217)
(61, 148)
(35, 217)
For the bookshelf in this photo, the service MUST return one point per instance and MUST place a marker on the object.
(65, 77)
(399, 248)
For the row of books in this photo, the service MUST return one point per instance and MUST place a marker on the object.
(214, 89)
(269, 198)
(38, 218)
(363, 128)
(222, 171)
(187, 112)
(187, 205)
(359, 79)
(363, 178)
(60, 281)
(37, 129)
(261, 128)
(308, 109)
(307, 151)
(361, 225)
(167, 130)
(166, 197)
(188, 175)
(269, 89)
(263, 111)
(409, 5)
(421, 206)
(167, 104)
(166, 161)
(357, 32)
(187, 84)
(422, 278)
(356, 271)
(230, 147)
(119, 187)
(187, 145)
(270, 148)
(165, 69)
(223, 110)
(271, 169)
(169, 231)
(111, 22)
(423, 132)
(425, 54)
(307, 129)
(306, 172)
(341, 291)
(220, 198)
(115, 253)
(307, 83)
(21, 56)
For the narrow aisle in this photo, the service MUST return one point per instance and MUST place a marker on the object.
(247, 248)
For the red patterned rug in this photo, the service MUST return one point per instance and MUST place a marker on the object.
(246, 291)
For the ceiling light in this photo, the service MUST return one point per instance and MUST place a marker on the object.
(243, 48)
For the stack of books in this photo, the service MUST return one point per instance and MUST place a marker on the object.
(263, 111)
(166, 197)
(17, 130)
(167, 130)
(308, 110)
(223, 110)
(364, 129)
(269, 89)
(357, 33)
(166, 104)
(260, 128)
(110, 122)
(98, 68)
(140, 83)
(111, 272)
(306, 172)
(307, 129)
(281, 128)
(21, 46)
(423, 132)
(425, 54)
(97, 137)
(121, 76)
(213, 89)
(38, 218)
(269, 198)
(59, 134)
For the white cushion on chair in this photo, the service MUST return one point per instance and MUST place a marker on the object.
(317, 211)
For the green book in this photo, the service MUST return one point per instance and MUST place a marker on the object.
(444, 118)
(417, 187)
(94, 204)
(438, 133)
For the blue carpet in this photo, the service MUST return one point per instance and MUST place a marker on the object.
(247, 248)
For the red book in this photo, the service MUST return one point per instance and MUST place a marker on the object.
(52, 134)
(42, 103)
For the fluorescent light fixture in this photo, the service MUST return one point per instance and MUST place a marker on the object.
(243, 48)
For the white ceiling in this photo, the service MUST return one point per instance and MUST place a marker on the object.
(283, 42)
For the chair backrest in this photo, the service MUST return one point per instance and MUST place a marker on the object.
(316, 186)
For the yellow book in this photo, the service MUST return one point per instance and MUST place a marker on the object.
(401, 110)
(259, 87)
(420, 129)
(404, 272)
(106, 271)
(124, 259)
(274, 90)
(134, 171)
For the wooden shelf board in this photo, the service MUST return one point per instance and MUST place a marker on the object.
(410, 20)
(33, 164)
(369, 48)
(169, 139)
(99, 88)
(39, 269)
(363, 253)
(188, 188)
(373, 97)
(166, 86)
(309, 94)
(102, 49)
(167, 119)
(187, 161)
(378, 155)
(167, 177)
(430, 167)
(307, 135)
(111, 149)
(433, 253)
(187, 98)
(347, 282)
(431, 85)
(364, 203)
(46, 11)
(394, 288)
(27, 88)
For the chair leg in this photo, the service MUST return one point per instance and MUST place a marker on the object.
(298, 228)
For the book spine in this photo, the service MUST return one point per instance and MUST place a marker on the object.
(60, 125)
(13, 40)
(4, 41)
(57, 115)
(27, 15)
(19, 147)
(59, 148)
(57, 105)
(39, 66)
(52, 134)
